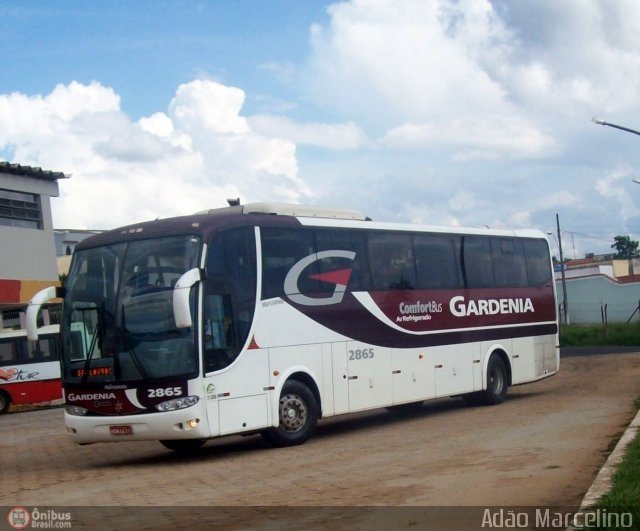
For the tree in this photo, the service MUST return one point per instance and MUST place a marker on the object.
(625, 247)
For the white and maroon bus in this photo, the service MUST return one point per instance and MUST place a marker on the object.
(29, 371)
(265, 318)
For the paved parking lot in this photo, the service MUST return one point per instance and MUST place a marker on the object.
(542, 447)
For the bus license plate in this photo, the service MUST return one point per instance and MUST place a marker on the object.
(121, 430)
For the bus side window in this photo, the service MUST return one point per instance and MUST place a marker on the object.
(508, 263)
(342, 240)
(538, 269)
(46, 350)
(392, 262)
(478, 265)
(281, 250)
(8, 352)
(437, 261)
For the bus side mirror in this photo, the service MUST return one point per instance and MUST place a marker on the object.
(33, 309)
(181, 292)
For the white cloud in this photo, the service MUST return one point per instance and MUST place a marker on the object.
(612, 186)
(405, 54)
(585, 52)
(511, 138)
(489, 78)
(193, 157)
(158, 124)
(491, 95)
(423, 71)
(470, 112)
(209, 106)
(330, 136)
(425, 215)
(563, 198)
(25, 116)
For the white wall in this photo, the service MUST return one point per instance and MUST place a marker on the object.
(29, 254)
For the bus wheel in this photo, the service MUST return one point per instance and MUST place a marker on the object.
(298, 414)
(5, 400)
(183, 446)
(497, 382)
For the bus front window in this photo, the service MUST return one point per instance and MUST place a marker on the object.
(119, 323)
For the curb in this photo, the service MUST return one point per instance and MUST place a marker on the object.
(602, 484)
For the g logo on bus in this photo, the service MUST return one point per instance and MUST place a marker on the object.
(340, 278)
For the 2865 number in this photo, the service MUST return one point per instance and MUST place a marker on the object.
(164, 392)
(361, 354)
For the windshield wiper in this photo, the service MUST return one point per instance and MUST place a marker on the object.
(131, 350)
(94, 340)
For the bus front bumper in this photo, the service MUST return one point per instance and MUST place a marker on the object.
(188, 423)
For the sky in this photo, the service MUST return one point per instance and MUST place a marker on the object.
(442, 112)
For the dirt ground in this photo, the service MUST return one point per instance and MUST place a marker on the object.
(381, 470)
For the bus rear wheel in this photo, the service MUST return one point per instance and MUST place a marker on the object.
(5, 401)
(297, 413)
(497, 381)
(183, 446)
(497, 385)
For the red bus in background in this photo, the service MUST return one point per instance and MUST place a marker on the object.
(29, 370)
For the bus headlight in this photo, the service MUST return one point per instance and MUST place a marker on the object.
(178, 403)
(76, 410)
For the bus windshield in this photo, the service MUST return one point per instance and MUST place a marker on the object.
(118, 320)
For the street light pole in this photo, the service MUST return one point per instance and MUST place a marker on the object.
(565, 302)
(628, 130)
(602, 122)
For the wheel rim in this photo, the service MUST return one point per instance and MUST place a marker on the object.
(497, 380)
(293, 413)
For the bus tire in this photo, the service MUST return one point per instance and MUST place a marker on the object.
(297, 413)
(5, 401)
(183, 446)
(497, 382)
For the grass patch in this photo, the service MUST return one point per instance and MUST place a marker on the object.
(612, 335)
(624, 496)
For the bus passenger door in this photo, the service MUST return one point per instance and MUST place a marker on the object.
(369, 376)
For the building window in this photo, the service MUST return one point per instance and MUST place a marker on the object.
(18, 209)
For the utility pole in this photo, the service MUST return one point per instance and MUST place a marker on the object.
(565, 302)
